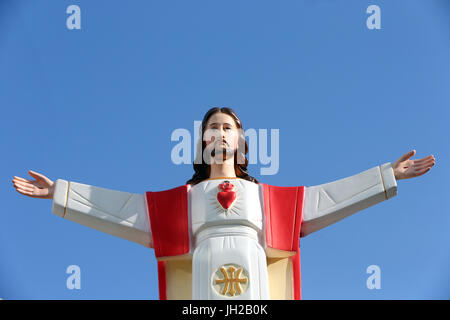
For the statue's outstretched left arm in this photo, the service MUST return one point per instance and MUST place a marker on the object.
(331, 202)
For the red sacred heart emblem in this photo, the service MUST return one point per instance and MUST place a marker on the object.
(226, 195)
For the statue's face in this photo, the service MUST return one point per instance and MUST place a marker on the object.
(221, 133)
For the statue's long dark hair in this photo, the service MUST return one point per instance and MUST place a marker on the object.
(202, 169)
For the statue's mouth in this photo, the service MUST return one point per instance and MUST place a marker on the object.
(221, 142)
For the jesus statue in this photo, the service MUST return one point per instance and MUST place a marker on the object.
(223, 234)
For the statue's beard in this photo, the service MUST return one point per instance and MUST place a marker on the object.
(225, 152)
(220, 153)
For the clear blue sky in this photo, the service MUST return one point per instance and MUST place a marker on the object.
(98, 106)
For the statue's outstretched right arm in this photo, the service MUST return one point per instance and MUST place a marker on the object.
(117, 213)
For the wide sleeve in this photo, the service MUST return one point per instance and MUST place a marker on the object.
(331, 202)
(117, 213)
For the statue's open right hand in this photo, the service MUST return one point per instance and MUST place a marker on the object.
(42, 187)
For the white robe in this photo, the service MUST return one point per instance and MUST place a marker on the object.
(222, 238)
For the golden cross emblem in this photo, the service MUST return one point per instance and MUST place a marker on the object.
(231, 281)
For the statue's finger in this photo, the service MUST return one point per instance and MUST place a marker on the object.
(431, 157)
(421, 170)
(420, 160)
(424, 162)
(37, 175)
(408, 155)
(24, 192)
(21, 179)
(21, 183)
(24, 187)
(40, 177)
(424, 166)
(427, 160)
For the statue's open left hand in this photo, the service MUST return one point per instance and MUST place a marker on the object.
(404, 168)
(42, 187)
